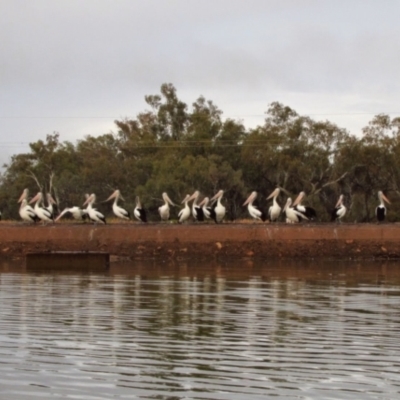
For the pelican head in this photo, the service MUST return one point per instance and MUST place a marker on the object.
(382, 197)
(288, 204)
(250, 199)
(217, 196)
(115, 195)
(90, 199)
(138, 204)
(167, 199)
(299, 198)
(186, 199)
(195, 195)
(50, 199)
(38, 197)
(204, 202)
(340, 201)
(275, 193)
(24, 195)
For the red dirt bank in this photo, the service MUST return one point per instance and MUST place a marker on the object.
(133, 241)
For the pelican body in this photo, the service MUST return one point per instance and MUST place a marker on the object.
(339, 211)
(292, 216)
(118, 211)
(219, 209)
(43, 213)
(139, 212)
(164, 209)
(197, 210)
(94, 215)
(380, 211)
(76, 213)
(184, 214)
(275, 210)
(253, 210)
(309, 212)
(26, 212)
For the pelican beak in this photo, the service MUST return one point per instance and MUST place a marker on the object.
(113, 196)
(217, 196)
(339, 202)
(288, 203)
(166, 197)
(250, 198)
(51, 200)
(88, 199)
(34, 198)
(193, 196)
(23, 196)
(187, 198)
(274, 193)
(204, 201)
(298, 199)
(385, 198)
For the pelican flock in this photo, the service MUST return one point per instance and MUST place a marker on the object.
(202, 209)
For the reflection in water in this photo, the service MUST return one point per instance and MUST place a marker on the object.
(214, 331)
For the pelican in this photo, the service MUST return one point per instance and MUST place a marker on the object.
(94, 215)
(309, 212)
(219, 209)
(340, 210)
(253, 210)
(77, 213)
(117, 210)
(50, 202)
(184, 214)
(292, 216)
(380, 211)
(275, 210)
(197, 211)
(164, 209)
(209, 212)
(43, 213)
(139, 212)
(26, 212)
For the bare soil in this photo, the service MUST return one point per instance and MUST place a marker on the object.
(128, 241)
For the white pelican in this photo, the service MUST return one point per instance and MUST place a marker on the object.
(253, 210)
(164, 209)
(275, 210)
(94, 215)
(139, 212)
(26, 212)
(207, 210)
(117, 210)
(292, 216)
(309, 212)
(184, 214)
(340, 210)
(219, 209)
(43, 213)
(380, 211)
(77, 213)
(50, 202)
(197, 211)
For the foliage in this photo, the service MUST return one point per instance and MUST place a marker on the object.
(173, 148)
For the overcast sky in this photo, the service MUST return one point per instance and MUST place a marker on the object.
(75, 66)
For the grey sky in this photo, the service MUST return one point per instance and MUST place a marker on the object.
(74, 66)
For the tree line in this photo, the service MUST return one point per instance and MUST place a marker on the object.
(174, 148)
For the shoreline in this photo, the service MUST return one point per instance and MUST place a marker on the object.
(130, 241)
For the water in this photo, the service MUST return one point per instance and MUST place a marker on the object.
(201, 331)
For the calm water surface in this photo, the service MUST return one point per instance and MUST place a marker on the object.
(201, 331)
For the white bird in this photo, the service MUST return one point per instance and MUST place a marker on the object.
(43, 213)
(26, 212)
(340, 210)
(292, 216)
(309, 212)
(77, 213)
(94, 215)
(253, 210)
(164, 209)
(197, 211)
(207, 210)
(117, 210)
(380, 211)
(50, 202)
(219, 209)
(184, 214)
(274, 211)
(139, 212)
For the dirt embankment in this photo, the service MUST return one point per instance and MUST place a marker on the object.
(134, 241)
